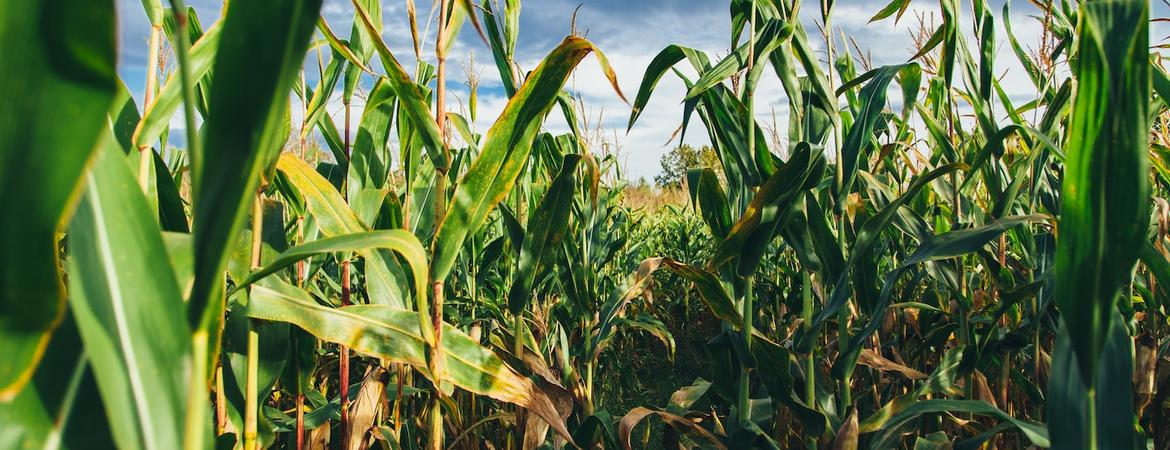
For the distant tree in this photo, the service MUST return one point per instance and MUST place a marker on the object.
(678, 160)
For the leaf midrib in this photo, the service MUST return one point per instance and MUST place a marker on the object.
(117, 302)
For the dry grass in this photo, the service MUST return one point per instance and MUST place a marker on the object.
(651, 199)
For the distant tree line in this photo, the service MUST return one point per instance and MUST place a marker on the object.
(680, 159)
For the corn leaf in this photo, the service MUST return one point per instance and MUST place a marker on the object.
(370, 160)
(770, 37)
(263, 44)
(860, 136)
(133, 326)
(1068, 397)
(411, 97)
(866, 236)
(663, 61)
(62, 396)
(157, 117)
(334, 218)
(394, 334)
(757, 225)
(505, 150)
(545, 229)
(400, 241)
(708, 197)
(679, 423)
(62, 55)
(943, 246)
(1036, 433)
(360, 41)
(1105, 193)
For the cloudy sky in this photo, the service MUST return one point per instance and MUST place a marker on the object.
(630, 32)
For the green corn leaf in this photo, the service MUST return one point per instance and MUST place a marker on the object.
(726, 117)
(741, 12)
(341, 47)
(994, 146)
(154, 11)
(133, 326)
(1036, 433)
(823, 241)
(370, 160)
(1034, 73)
(1159, 266)
(1105, 193)
(967, 240)
(62, 56)
(394, 334)
(400, 241)
(460, 10)
(986, 52)
(949, 33)
(124, 116)
(944, 380)
(498, 42)
(642, 322)
(172, 215)
(321, 199)
(158, 114)
(61, 406)
(872, 228)
(820, 88)
(1058, 107)
(860, 135)
(194, 33)
(663, 61)
(319, 97)
(774, 221)
(750, 435)
(758, 222)
(368, 205)
(411, 97)
(546, 227)
(511, 24)
(334, 218)
(710, 290)
(271, 356)
(773, 34)
(910, 79)
(708, 197)
(797, 235)
(895, 6)
(943, 246)
(866, 236)
(263, 44)
(463, 127)
(775, 362)
(179, 249)
(301, 367)
(513, 229)
(332, 138)
(360, 41)
(1068, 398)
(505, 150)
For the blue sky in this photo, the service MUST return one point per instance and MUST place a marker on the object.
(630, 32)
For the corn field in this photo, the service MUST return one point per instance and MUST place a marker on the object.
(914, 260)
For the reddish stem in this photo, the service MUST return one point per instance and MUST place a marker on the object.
(300, 421)
(343, 364)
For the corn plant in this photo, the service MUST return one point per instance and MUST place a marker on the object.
(917, 261)
(933, 222)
